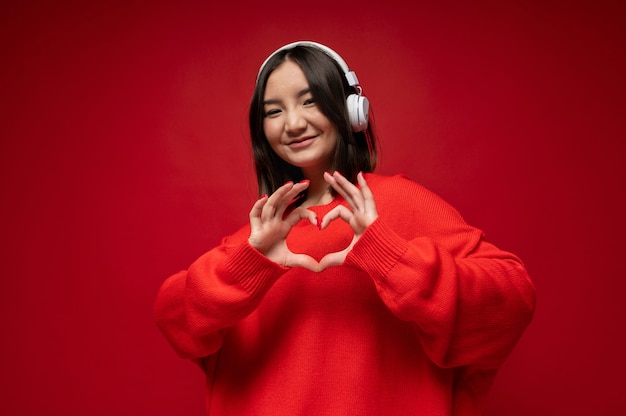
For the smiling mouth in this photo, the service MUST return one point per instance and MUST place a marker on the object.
(301, 142)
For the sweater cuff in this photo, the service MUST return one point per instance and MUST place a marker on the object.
(378, 250)
(251, 270)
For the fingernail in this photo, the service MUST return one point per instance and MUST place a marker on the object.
(263, 196)
(304, 181)
(338, 173)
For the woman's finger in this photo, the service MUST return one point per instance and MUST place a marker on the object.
(368, 196)
(301, 214)
(275, 202)
(303, 260)
(346, 189)
(257, 209)
(290, 196)
(282, 198)
(332, 181)
(339, 211)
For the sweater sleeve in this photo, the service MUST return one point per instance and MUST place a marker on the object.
(469, 300)
(193, 307)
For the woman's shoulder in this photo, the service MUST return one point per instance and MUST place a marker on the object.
(398, 186)
(402, 195)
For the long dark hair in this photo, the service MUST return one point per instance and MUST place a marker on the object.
(354, 153)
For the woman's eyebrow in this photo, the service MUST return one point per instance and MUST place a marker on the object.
(299, 94)
(304, 91)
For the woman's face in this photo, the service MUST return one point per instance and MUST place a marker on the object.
(295, 128)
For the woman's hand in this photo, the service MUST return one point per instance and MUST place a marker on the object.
(362, 212)
(269, 229)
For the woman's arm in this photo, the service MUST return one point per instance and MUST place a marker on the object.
(194, 306)
(468, 308)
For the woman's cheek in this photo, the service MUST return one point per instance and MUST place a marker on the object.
(271, 128)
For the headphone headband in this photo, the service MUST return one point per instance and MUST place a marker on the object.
(350, 75)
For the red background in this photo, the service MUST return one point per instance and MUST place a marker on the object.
(124, 156)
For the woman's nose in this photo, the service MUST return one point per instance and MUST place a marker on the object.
(295, 122)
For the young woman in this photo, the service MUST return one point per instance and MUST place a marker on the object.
(347, 293)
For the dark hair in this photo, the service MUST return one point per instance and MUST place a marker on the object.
(354, 153)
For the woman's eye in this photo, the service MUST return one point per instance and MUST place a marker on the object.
(309, 101)
(272, 112)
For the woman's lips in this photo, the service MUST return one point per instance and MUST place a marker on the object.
(303, 142)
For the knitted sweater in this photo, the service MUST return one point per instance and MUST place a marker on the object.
(415, 322)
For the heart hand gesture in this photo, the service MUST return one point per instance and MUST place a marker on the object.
(269, 227)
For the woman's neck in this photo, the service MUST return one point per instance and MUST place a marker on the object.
(318, 192)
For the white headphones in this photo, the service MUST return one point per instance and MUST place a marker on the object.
(358, 105)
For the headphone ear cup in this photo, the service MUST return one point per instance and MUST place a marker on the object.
(358, 110)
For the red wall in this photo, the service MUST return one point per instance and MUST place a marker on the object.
(124, 156)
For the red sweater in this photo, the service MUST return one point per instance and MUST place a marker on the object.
(415, 322)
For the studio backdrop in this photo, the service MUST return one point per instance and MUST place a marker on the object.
(124, 156)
